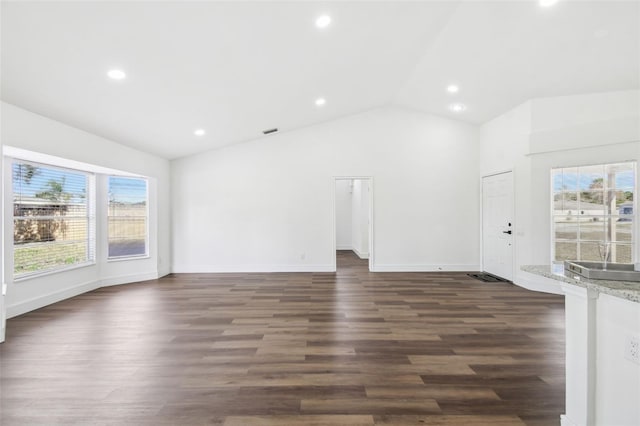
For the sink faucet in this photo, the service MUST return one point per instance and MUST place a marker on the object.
(604, 248)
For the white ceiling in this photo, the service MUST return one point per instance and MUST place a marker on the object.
(237, 68)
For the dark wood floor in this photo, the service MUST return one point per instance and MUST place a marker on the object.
(352, 348)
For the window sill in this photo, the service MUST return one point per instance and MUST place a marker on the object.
(33, 275)
(127, 258)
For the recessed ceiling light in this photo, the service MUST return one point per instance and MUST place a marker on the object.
(117, 74)
(547, 3)
(457, 107)
(199, 132)
(453, 88)
(321, 101)
(323, 21)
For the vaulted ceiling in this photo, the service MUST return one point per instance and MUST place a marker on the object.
(237, 68)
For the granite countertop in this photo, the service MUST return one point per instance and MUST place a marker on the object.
(624, 289)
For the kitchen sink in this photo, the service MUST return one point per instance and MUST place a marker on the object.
(597, 271)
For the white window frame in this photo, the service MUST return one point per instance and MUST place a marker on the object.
(146, 254)
(91, 218)
(634, 232)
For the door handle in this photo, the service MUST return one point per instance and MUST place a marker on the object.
(507, 232)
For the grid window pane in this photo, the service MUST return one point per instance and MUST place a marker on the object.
(622, 229)
(593, 207)
(620, 176)
(592, 251)
(52, 218)
(566, 251)
(565, 179)
(591, 177)
(592, 203)
(127, 217)
(556, 180)
(593, 228)
(558, 203)
(566, 228)
(621, 253)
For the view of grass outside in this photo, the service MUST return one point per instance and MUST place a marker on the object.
(53, 221)
(51, 218)
(43, 257)
(591, 235)
(594, 213)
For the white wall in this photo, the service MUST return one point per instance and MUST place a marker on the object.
(266, 205)
(365, 206)
(360, 218)
(603, 384)
(580, 121)
(2, 231)
(28, 131)
(343, 214)
(617, 381)
(554, 132)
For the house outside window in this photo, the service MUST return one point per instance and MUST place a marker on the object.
(594, 212)
(53, 218)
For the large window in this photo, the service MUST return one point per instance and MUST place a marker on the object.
(53, 218)
(128, 217)
(593, 212)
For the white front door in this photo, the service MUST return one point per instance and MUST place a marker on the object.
(497, 225)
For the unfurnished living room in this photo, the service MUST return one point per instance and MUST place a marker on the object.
(320, 213)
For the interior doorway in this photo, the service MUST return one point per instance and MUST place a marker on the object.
(497, 225)
(353, 221)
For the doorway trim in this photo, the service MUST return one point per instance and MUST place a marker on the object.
(334, 180)
(513, 207)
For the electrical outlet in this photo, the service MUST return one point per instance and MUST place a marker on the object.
(632, 349)
(303, 256)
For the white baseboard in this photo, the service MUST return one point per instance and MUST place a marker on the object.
(360, 254)
(345, 247)
(537, 283)
(57, 296)
(127, 279)
(425, 268)
(204, 269)
(50, 298)
(566, 421)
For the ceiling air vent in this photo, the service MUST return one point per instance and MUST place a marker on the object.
(269, 131)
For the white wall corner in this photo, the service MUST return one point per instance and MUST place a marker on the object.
(360, 254)
(164, 271)
(566, 421)
(580, 329)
